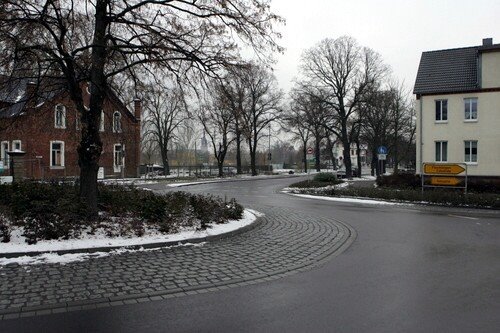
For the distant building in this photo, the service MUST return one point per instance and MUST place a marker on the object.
(47, 128)
(458, 108)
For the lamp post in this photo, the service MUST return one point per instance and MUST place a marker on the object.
(269, 156)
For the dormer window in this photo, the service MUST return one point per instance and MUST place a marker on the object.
(60, 116)
(117, 122)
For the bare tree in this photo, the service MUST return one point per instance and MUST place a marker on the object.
(217, 116)
(262, 107)
(337, 72)
(293, 121)
(97, 41)
(165, 113)
(234, 91)
(401, 118)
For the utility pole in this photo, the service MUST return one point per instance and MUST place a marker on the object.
(269, 157)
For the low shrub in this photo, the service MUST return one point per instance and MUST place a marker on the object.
(315, 184)
(437, 196)
(325, 177)
(4, 229)
(400, 180)
(53, 211)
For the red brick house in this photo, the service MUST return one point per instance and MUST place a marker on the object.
(44, 123)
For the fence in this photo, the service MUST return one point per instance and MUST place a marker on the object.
(198, 171)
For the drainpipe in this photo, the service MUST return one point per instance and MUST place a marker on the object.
(421, 136)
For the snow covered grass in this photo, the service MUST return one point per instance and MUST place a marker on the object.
(351, 200)
(99, 239)
(381, 195)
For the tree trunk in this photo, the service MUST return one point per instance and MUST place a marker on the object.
(90, 147)
(88, 186)
(166, 164)
(358, 155)
(317, 153)
(238, 153)
(304, 156)
(253, 151)
(347, 150)
(220, 165)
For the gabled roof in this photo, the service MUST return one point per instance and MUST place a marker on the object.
(446, 71)
(13, 93)
(452, 70)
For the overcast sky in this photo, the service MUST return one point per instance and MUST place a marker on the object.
(400, 30)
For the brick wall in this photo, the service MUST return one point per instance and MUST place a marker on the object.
(36, 129)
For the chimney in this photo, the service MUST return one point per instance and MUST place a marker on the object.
(137, 109)
(30, 94)
(487, 41)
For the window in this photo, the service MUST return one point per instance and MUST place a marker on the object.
(5, 157)
(16, 145)
(56, 154)
(471, 151)
(470, 107)
(442, 110)
(60, 116)
(101, 124)
(118, 154)
(117, 122)
(441, 151)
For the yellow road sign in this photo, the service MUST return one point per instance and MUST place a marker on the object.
(445, 181)
(443, 169)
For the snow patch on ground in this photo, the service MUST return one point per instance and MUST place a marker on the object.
(54, 258)
(350, 200)
(363, 178)
(99, 239)
(314, 189)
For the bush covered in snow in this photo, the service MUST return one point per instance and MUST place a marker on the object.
(321, 179)
(53, 211)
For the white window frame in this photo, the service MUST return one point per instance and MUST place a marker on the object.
(62, 155)
(15, 142)
(101, 124)
(440, 120)
(440, 158)
(118, 167)
(469, 152)
(115, 129)
(4, 156)
(63, 125)
(468, 102)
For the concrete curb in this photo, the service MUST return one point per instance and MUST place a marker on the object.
(211, 238)
(227, 181)
(406, 204)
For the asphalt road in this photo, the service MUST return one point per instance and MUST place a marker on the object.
(410, 269)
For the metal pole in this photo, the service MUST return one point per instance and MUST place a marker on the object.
(269, 158)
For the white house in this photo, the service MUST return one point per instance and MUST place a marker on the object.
(458, 108)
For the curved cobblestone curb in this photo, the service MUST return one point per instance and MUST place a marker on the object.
(283, 244)
(222, 181)
(158, 245)
(424, 206)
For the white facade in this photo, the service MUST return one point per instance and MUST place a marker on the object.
(470, 130)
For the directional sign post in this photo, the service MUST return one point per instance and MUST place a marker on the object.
(443, 169)
(445, 181)
(381, 157)
(382, 150)
(452, 175)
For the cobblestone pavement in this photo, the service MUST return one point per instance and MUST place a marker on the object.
(284, 243)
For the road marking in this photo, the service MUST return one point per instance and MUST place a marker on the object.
(464, 217)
